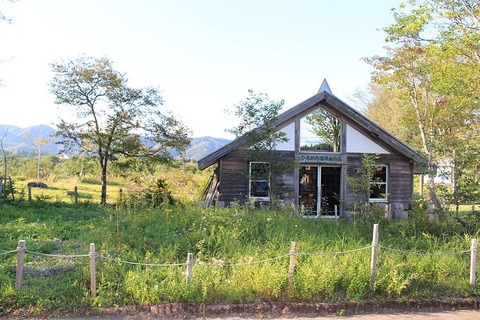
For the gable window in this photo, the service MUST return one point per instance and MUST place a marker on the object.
(259, 181)
(378, 185)
(320, 131)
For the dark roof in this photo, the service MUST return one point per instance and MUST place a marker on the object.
(338, 108)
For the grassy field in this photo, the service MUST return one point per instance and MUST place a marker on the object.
(240, 255)
(57, 191)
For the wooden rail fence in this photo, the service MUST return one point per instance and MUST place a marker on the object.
(189, 264)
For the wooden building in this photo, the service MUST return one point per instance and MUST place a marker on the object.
(316, 183)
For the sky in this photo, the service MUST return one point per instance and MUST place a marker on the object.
(203, 54)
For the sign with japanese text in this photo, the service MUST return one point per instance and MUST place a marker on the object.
(312, 158)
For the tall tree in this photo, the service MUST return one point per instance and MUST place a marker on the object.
(37, 143)
(3, 178)
(4, 152)
(433, 65)
(111, 119)
(257, 114)
(376, 101)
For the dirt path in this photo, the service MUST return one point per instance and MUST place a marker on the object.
(444, 315)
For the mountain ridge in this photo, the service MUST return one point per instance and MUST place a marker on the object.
(22, 140)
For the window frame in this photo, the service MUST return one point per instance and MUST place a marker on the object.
(258, 180)
(382, 182)
(307, 137)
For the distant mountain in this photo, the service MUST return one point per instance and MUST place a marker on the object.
(21, 140)
(201, 147)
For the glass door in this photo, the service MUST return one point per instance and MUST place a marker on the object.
(308, 191)
(319, 190)
(330, 190)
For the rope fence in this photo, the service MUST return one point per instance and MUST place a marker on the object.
(375, 246)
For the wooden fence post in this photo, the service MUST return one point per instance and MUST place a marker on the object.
(291, 268)
(388, 211)
(373, 262)
(29, 193)
(473, 261)
(93, 277)
(190, 263)
(75, 194)
(20, 264)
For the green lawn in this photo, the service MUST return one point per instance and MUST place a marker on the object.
(240, 256)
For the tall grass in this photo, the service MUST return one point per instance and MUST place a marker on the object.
(241, 256)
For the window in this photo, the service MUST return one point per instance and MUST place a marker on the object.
(259, 180)
(320, 131)
(378, 185)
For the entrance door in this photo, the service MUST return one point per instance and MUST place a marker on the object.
(330, 190)
(319, 190)
(308, 190)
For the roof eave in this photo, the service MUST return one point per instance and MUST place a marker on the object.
(281, 121)
(334, 103)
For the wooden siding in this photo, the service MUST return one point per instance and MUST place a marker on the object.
(234, 176)
(400, 178)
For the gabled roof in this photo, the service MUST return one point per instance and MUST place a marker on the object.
(325, 99)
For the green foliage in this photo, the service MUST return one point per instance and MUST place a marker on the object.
(7, 189)
(253, 112)
(431, 73)
(156, 193)
(241, 255)
(112, 120)
(361, 184)
(233, 251)
(258, 115)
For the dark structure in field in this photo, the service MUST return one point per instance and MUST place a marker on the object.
(327, 140)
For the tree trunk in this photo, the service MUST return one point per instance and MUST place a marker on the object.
(426, 144)
(431, 182)
(103, 174)
(39, 158)
(4, 159)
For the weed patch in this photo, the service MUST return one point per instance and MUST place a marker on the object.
(241, 256)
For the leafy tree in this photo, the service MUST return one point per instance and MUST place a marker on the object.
(37, 143)
(257, 114)
(111, 119)
(361, 182)
(257, 111)
(5, 165)
(4, 153)
(433, 67)
(377, 101)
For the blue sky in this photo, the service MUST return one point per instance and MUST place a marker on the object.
(203, 54)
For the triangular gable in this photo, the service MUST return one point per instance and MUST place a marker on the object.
(357, 142)
(336, 107)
